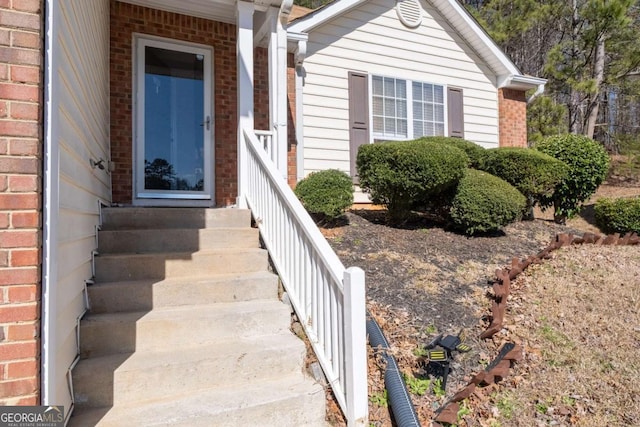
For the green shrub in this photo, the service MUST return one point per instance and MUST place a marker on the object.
(401, 175)
(588, 166)
(532, 172)
(485, 203)
(327, 193)
(475, 152)
(618, 215)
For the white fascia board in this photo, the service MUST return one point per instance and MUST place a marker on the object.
(521, 82)
(294, 40)
(322, 15)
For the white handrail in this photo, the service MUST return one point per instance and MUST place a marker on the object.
(328, 299)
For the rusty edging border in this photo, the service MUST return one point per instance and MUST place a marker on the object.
(510, 353)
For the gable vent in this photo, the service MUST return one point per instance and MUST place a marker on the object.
(409, 12)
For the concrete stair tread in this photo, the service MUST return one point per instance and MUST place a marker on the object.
(176, 239)
(186, 280)
(139, 295)
(190, 312)
(180, 255)
(140, 360)
(130, 218)
(222, 406)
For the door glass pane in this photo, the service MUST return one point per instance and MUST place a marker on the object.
(173, 120)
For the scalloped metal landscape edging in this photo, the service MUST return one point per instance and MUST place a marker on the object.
(499, 368)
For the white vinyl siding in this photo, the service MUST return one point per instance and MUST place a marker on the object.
(371, 39)
(80, 131)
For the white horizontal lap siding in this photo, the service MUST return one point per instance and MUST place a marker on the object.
(82, 133)
(372, 39)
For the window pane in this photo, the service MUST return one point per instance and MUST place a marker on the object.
(378, 125)
(401, 89)
(417, 91)
(390, 126)
(438, 94)
(439, 131)
(402, 127)
(418, 130)
(428, 129)
(401, 111)
(417, 110)
(389, 87)
(428, 112)
(389, 107)
(378, 109)
(377, 85)
(439, 110)
(428, 92)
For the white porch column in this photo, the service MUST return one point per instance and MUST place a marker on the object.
(278, 89)
(272, 18)
(244, 54)
(282, 95)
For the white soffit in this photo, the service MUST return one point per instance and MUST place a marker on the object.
(215, 10)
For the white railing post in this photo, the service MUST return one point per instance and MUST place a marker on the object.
(355, 337)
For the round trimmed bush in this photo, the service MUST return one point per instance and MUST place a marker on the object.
(485, 203)
(401, 175)
(475, 152)
(327, 193)
(588, 164)
(618, 215)
(532, 172)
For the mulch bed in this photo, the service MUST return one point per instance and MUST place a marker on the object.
(423, 280)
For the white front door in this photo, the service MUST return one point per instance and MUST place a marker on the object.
(174, 121)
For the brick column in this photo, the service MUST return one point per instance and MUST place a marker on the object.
(512, 105)
(21, 100)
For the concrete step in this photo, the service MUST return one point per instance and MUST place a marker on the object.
(144, 295)
(176, 327)
(176, 240)
(117, 267)
(291, 401)
(120, 218)
(127, 378)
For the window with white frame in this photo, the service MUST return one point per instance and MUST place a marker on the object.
(389, 107)
(394, 101)
(428, 109)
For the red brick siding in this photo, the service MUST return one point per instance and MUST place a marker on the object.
(127, 19)
(21, 98)
(512, 105)
(261, 88)
(292, 147)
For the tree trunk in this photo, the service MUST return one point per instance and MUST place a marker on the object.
(598, 76)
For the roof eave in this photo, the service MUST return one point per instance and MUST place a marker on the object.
(520, 82)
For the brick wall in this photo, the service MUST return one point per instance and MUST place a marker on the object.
(292, 157)
(21, 58)
(127, 19)
(512, 105)
(261, 88)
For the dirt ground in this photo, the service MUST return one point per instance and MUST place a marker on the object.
(423, 280)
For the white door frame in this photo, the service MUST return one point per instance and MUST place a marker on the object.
(165, 197)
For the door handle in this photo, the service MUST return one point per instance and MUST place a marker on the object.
(207, 123)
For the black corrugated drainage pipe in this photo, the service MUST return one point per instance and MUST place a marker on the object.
(399, 400)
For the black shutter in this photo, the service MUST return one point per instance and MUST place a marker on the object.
(456, 112)
(358, 115)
